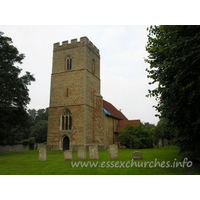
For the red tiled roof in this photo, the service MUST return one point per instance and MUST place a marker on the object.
(113, 111)
(122, 123)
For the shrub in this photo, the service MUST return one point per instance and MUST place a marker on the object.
(146, 142)
(137, 144)
(16, 142)
(25, 142)
(136, 137)
(31, 140)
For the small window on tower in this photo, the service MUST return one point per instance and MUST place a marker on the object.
(68, 63)
(93, 66)
(67, 92)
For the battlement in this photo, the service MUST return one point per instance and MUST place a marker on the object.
(75, 43)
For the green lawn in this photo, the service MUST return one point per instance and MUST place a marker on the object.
(27, 163)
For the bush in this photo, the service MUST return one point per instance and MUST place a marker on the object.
(25, 142)
(135, 137)
(146, 142)
(31, 140)
(16, 142)
(137, 144)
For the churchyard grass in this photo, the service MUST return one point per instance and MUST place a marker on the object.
(27, 163)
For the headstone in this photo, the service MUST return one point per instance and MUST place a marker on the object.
(82, 153)
(42, 154)
(137, 155)
(94, 154)
(165, 142)
(159, 143)
(113, 151)
(68, 155)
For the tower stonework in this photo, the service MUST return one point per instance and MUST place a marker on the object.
(75, 111)
(78, 115)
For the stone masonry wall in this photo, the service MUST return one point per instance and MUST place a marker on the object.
(75, 89)
(56, 135)
(110, 125)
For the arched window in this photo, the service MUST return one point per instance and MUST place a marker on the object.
(68, 63)
(66, 120)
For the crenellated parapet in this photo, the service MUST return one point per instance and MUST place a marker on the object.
(74, 43)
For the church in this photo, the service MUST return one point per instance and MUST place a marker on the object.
(78, 114)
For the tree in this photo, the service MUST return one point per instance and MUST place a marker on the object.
(14, 94)
(147, 125)
(39, 131)
(42, 114)
(32, 114)
(174, 58)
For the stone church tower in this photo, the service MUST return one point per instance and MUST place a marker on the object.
(78, 115)
(75, 112)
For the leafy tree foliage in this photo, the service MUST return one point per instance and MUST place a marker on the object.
(39, 131)
(14, 94)
(32, 115)
(174, 58)
(38, 124)
(42, 114)
(147, 125)
(37, 115)
(135, 137)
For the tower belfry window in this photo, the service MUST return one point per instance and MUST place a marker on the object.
(68, 63)
(66, 120)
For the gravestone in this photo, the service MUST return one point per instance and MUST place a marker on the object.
(82, 153)
(137, 155)
(165, 142)
(113, 151)
(94, 154)
(159, 143)
(42, 154)
(68, 155)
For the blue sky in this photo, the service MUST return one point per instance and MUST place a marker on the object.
(124, 81)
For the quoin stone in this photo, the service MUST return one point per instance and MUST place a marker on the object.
(42, 154)
(137, 155)
(113, 151)
(94, 154)
(82, 153)
(68, 155)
